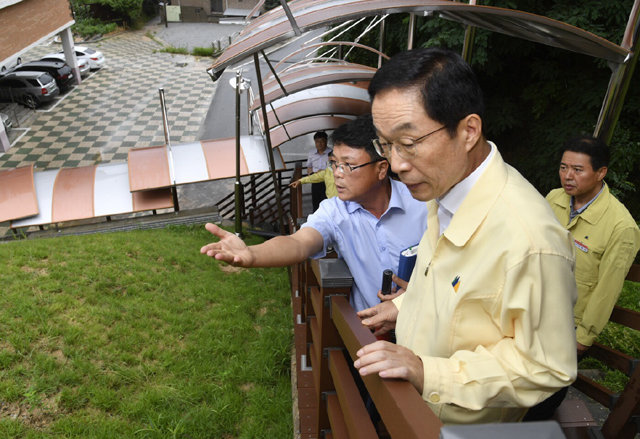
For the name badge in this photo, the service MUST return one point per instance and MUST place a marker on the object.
(580, 246)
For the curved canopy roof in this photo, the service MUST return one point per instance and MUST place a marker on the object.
(274, 27)
(326, 99)
(314, 75)
(300, 127)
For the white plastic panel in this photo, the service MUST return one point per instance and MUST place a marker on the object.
(111, 193)
(189, 164)
(255, 154)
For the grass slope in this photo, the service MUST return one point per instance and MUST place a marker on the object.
(137, 335)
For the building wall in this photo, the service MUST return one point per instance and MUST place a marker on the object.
(240, 4)
(28, 21)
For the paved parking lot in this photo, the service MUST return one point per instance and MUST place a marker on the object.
(116, 108)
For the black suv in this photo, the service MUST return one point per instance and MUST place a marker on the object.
(60, 71)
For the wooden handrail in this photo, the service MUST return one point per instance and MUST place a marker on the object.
(354, 412)
(403, 411)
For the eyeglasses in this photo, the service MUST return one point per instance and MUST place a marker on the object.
(346, 168)
(405, 146)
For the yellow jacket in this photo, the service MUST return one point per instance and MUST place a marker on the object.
(489, 305)
(325, 175)
(606, 240)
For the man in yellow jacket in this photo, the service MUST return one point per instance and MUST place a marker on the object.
(605, 236)
(324, 176)
(485, 327)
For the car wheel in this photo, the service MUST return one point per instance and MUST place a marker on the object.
(30, 101)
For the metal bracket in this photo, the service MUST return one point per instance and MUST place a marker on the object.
(325, 351)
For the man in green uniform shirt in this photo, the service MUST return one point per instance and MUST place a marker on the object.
(606, 237)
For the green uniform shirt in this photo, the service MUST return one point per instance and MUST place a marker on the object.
(606, 240)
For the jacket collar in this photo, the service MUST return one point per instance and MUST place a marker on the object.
(477, 203)
(593, 213)
(597, 209)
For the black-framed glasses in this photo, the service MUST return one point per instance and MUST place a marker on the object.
(346, 168)
(405, 146)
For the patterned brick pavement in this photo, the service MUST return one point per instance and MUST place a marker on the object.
(117, 107)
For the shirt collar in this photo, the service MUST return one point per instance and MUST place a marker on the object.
(573, 213)
(395, 201)
(451, 201)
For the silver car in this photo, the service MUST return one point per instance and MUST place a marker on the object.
(6, 121)
(28, 88)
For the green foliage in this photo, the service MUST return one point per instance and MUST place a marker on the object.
(175, 50)
(128, 10)
(202, 51)
(270, 4)
(620, 338)
(537, 96)
(137, 335)
(92, 26)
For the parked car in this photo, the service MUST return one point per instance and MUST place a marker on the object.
(94, 57)
(83, 64)
(8, 64)
(60, 71)
(28, 88)
(6, 121)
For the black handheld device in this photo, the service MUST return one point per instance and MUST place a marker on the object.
(386, 281)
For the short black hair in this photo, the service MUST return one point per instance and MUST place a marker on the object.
(595, 148)
(320, 135)
(357, 134)
(447, 84)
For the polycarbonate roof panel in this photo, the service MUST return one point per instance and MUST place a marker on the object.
(300, 127)
(17, 194)
(314, 75)
(315, 107)
(310, 14)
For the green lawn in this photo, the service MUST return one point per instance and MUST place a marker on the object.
(137, 335)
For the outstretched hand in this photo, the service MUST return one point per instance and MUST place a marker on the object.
(230, 248)
(381, 318)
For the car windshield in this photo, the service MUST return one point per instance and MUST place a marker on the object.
(89, 51)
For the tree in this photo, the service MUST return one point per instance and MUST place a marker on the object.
(538, 96)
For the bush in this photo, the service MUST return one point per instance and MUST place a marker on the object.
(176, 50)
(92, 26)
(202, 51)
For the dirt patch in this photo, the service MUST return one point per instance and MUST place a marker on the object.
(38, 271)
(35, 417)
(247, 387)
(231, 269)
(59, 356)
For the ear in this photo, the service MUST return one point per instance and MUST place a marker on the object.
(383, 169)
(470, 130)
(601, 173)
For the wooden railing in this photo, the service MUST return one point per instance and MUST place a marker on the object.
(623, 421)
(328, 333)
(259, 202)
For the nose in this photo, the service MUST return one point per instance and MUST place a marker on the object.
(398, 164)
